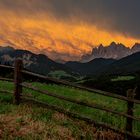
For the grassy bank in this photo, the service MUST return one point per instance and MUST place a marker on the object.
(76, 129)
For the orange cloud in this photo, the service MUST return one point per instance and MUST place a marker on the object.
(47, 35)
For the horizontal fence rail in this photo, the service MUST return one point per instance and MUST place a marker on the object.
(6, 79)
(6, 92)
(104, 93)
(7, 67)
(19, 85)
(92, 105)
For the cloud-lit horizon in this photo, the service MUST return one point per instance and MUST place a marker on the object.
(69, 28)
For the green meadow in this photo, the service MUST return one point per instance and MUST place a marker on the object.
(43, 115)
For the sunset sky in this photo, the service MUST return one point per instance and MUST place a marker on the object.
(67, 29)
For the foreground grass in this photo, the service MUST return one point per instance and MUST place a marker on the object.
(75, 94)
(30, 122)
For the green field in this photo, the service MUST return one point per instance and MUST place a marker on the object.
(59, 74)
(73, 93)
(123, 78)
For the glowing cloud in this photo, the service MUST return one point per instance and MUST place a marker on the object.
(34, 28)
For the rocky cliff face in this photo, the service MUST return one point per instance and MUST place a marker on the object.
(114, 51)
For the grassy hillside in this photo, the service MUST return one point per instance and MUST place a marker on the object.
(43, 122)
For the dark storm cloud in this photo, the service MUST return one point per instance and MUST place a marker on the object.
(120, 15)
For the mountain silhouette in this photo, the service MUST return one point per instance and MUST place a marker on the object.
(114, 51)
(91, 67)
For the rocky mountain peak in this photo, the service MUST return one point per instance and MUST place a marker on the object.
(114, 51)
(113, 44)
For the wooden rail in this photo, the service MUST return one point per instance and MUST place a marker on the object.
(7, 67)
(6, 92)
(100, 92)
(92, 105)
(6, 79)
(18, 85)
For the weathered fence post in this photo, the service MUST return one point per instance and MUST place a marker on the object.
(17, 81)
(130, 107)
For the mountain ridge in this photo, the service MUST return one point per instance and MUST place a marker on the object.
(40, 63)
(114, 51)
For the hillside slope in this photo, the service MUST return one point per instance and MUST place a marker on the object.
(129, 64)
(126, 65)
(93, 67)
(38, 63)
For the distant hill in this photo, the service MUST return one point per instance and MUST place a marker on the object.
(114, 51)
(93, 67)
(38, 63)
(129, 64)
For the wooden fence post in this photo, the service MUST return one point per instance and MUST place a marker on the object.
(130, 106)
(17, 81)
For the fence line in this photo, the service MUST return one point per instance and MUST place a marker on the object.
(18, 85)
(63, 82)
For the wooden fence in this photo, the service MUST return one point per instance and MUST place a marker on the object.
(17, 97)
